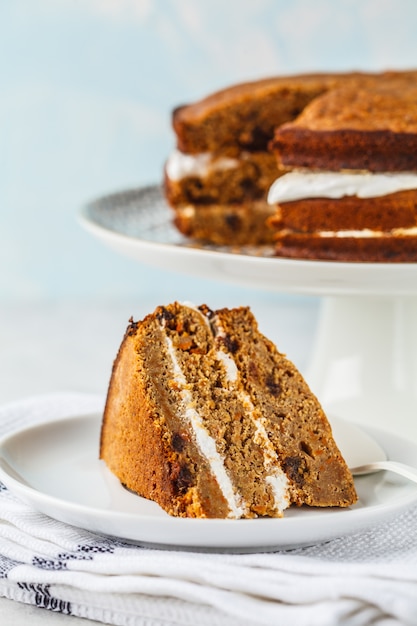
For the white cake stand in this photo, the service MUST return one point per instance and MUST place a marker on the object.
(364, 365)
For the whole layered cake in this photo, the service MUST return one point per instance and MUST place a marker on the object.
(321, 165)
(207, 418)
(217, 179)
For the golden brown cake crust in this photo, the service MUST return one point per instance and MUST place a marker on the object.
(142, 441)
(130, 435)
(385, 104)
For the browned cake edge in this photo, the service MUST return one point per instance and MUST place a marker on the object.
(142, 439)
(345, 149)
(381, 249)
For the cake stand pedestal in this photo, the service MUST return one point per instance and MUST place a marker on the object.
(364, 364)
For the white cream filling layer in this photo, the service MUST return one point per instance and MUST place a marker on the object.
(367, 233)
(301, 185)
(229, 365)
(180, 165)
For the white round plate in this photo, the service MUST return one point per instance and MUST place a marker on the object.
(54, 467)
(138, 223)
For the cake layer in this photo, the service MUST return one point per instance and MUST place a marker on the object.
(209, 383)
(396, 210)
(372, 129)
(350, 246)
(207, 418)
(291, 417)
(226, 224)
(243, 116)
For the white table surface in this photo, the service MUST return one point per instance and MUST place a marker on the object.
(70, 346)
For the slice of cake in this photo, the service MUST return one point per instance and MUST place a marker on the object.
(218, 177)
(352, 194)
(205, 417)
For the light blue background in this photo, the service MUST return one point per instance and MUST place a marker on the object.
(86, 93)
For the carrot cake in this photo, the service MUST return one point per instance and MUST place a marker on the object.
(207, 418)
(240, 149)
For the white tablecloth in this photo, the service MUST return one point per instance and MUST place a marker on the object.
(366, 578)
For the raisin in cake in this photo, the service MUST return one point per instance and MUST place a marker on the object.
(205, 417)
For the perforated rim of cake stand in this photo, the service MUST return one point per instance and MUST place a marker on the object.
(138, 223)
